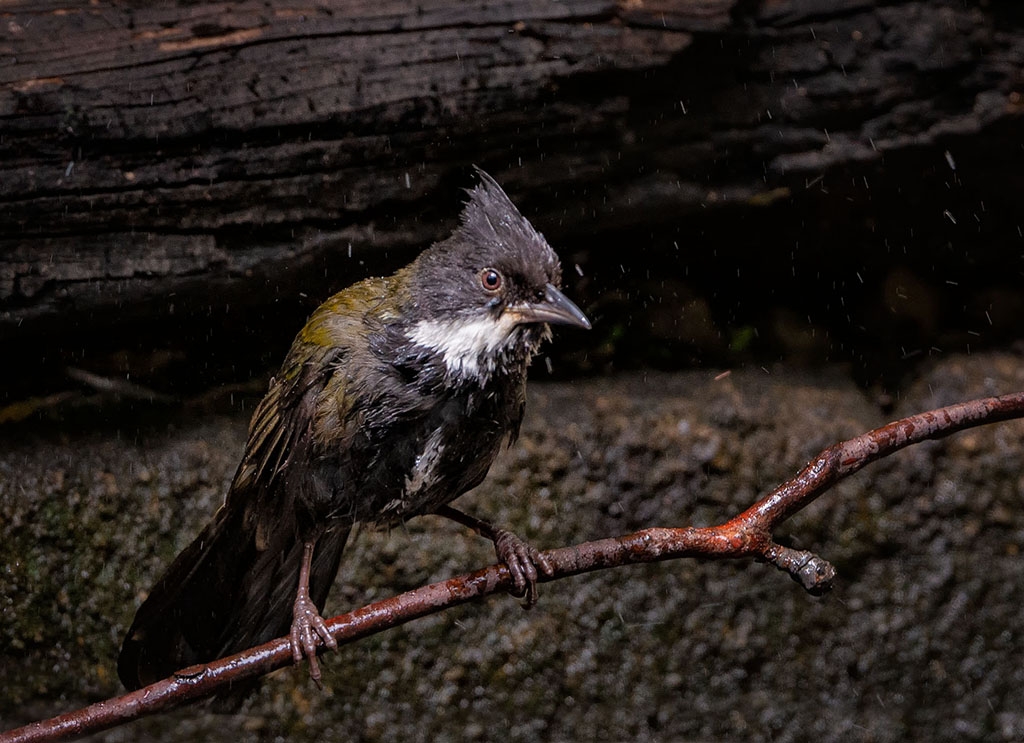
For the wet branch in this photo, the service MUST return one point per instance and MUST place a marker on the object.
(747, 535)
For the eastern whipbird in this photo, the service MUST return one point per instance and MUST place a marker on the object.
(394, 400)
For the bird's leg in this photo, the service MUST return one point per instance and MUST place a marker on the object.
(521, 559)
(307, 625)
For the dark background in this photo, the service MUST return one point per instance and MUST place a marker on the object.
(727, 182)
(822, 197)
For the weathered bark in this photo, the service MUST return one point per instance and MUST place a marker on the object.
(158, 165)
(164, 143)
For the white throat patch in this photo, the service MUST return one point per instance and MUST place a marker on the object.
(463, 343)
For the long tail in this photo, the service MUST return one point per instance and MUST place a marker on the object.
(229, 590)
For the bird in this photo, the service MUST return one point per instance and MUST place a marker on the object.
(393, 400)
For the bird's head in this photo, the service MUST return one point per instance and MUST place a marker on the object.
(485, 296)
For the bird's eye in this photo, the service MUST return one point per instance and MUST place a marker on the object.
(490, 279)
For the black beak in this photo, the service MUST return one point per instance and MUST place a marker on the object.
(554, 308)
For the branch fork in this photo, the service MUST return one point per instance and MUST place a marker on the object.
(747, 535)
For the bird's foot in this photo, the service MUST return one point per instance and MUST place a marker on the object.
(308, 630)
(522, 561)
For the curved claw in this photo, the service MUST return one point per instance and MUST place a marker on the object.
(522, 561)
(519, 557)
(308, 630)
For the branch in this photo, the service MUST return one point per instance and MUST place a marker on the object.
(748, 534)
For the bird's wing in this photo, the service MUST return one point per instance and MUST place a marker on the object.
(215, 598)
(280, 432)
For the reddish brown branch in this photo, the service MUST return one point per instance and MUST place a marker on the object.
(747, 535)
